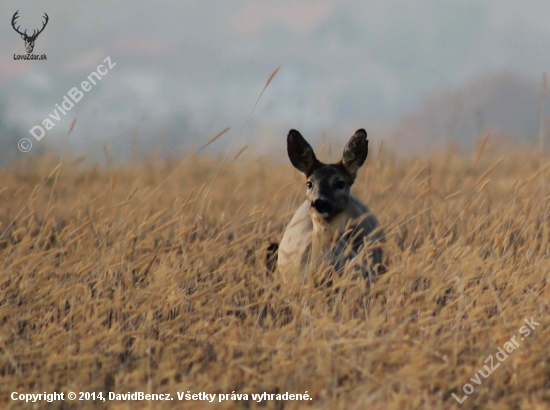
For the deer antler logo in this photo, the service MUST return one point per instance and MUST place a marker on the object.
(29, 40)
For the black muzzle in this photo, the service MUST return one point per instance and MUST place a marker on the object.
(322, 206)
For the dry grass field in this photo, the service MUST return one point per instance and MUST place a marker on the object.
(114, 279)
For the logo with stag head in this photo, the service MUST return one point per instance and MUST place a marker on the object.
(29, 39)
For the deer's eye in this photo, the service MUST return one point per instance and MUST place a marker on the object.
(339, 184)
(309, 185)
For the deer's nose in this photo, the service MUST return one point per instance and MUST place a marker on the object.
(322, 206)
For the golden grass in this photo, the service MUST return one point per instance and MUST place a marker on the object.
(108, 284)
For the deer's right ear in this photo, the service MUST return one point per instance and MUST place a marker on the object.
(23, 36)
(356, 152)
(300, 152)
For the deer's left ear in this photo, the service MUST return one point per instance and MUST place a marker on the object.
(300, 153)
(356, 152)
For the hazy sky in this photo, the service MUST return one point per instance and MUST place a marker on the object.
(187, 69)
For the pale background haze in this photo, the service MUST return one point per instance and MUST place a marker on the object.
(413, 74)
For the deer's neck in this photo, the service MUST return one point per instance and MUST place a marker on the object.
(325, 233)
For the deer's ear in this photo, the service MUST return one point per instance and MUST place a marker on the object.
(300, 153)
(356, 152)
(23, 36)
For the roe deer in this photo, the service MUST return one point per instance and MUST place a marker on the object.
(331, 224)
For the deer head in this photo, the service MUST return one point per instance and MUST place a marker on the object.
(328, 185)
(29, 40)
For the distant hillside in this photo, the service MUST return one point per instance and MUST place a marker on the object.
(501, 103)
